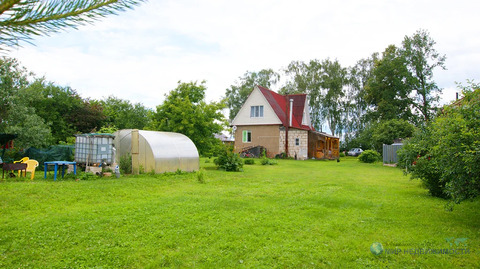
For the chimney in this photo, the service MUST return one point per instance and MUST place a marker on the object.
(291, 113)
(456, 95)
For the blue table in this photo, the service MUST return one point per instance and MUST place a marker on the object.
(61, 163)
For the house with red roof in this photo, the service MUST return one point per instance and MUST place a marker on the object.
(281, 124)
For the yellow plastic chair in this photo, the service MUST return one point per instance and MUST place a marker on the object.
(22, 160)
(31, 166)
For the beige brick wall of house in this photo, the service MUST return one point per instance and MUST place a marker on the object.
(265, 135)
(300, 150)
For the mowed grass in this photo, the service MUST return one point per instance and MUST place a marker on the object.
(297, 214)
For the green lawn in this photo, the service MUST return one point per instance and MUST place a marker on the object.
(297, 214)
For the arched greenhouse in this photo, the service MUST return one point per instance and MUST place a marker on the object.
(156, 151)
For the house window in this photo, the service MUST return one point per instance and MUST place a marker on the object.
(247, 136)
(297, 141)
(256, 112)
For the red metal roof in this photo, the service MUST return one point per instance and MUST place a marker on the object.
(281, 105)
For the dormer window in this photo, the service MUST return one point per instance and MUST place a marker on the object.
(256, 112)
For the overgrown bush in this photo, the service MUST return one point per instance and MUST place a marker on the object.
(416, 158)
(369, 156)
(126, 164)
(342, 154)
(201, 176)
(229, 161)
(266, 161)
(446, 154)
(249, 161)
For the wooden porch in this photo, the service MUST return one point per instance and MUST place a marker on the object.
(323, 146)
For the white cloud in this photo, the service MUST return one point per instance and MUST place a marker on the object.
(141, 54)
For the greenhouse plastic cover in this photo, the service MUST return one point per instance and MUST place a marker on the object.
(159, 151)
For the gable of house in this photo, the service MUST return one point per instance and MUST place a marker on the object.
(276, 109)
(257, 102)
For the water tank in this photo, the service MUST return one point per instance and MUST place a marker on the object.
(94, 148)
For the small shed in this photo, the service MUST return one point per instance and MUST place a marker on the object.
(157, 151)
(390, 152)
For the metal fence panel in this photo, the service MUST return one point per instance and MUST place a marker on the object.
(390, 153)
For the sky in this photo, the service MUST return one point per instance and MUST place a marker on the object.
(141, 54)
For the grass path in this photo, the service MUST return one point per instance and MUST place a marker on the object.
(298, 214)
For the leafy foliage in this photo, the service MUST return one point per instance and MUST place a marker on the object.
(229, 161)
(374, 135)
(387, 92)
(421, 59)
(201, 176)
(415, 156)
(16, 116)
(126, 163)
(445, 155)
(22, 19)
(185, 111)
(386, 132)
(333, 80)
(124, 115)
(249, 161)
(323, 81)
(267, 161)
(63, 109)
(369, 156)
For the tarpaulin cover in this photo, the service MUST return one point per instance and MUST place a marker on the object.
(52, 153)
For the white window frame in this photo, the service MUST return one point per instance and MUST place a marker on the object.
(256, 112)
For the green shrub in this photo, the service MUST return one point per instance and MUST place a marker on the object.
(126, 164)
(416, 158)
(342, 154)
(87, 176)
(445, 154)
(267, 161)
(201, 176)
(229, 161)
(249, 161)
(369, 156)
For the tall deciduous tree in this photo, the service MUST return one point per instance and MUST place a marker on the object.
(387, 90)
(185, 111)
(421, 59)
(237, 94)
(16, 116)
(324, 83)
(356, 108)
(333, 80)
(13, 77)
(124, 115)
(20, 20)
(63, 109)
(56, 105)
